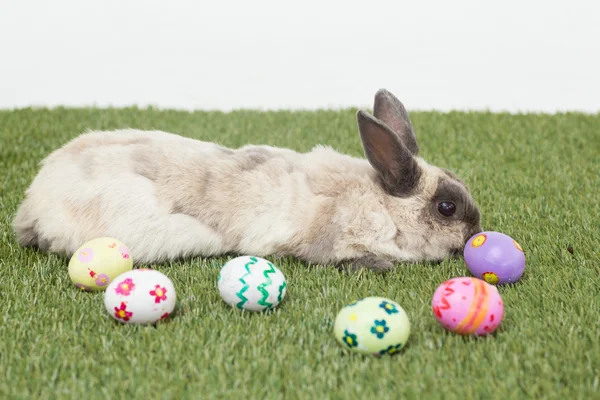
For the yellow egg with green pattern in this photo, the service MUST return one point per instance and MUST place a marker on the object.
(373, 326)
(99, 261)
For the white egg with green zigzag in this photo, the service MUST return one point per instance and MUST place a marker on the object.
(251, 283)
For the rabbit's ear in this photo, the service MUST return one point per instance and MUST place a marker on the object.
(391, 112)
(388, 155)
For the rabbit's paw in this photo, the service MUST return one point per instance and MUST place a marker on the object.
(369, 262)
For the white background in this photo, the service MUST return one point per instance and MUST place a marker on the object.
(499, 55)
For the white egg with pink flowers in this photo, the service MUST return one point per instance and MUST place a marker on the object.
(140, 296)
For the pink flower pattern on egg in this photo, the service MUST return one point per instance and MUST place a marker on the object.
(124, 288)
(86, 255)
(159, 293)
(102, 280)
(124, 251)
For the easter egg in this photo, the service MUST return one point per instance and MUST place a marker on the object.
(494, 257)
(467, 305)
(140, 296)
(251, 283)
(97, 262)
(372, 326)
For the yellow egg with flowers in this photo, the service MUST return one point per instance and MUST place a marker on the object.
(96, 263)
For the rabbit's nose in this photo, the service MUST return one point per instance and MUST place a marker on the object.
(477, 229)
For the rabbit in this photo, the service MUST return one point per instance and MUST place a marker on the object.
(171, 197)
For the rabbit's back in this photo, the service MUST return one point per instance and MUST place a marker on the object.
(126, 151)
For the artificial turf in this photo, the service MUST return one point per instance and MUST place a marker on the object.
(534, 176)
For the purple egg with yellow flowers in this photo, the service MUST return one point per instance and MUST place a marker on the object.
(494, 257)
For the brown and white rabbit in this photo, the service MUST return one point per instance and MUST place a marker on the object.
(169, 197)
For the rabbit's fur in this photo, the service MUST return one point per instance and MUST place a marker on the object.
(169, 197)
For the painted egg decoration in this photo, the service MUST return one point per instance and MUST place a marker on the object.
(140, 296)
(467, 305)
(251, 283)
(97, 262)
(494, 257)
(372, 326)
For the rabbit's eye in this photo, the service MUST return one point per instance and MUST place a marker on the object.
(447, 208)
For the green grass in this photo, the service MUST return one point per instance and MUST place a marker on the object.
(535, 177)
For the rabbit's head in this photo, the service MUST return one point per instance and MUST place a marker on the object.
(432, 208)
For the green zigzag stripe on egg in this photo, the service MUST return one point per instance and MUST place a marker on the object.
(281, 287)
(261, 288)
(240, 294)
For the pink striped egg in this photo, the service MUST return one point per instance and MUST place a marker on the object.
(467, 305)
